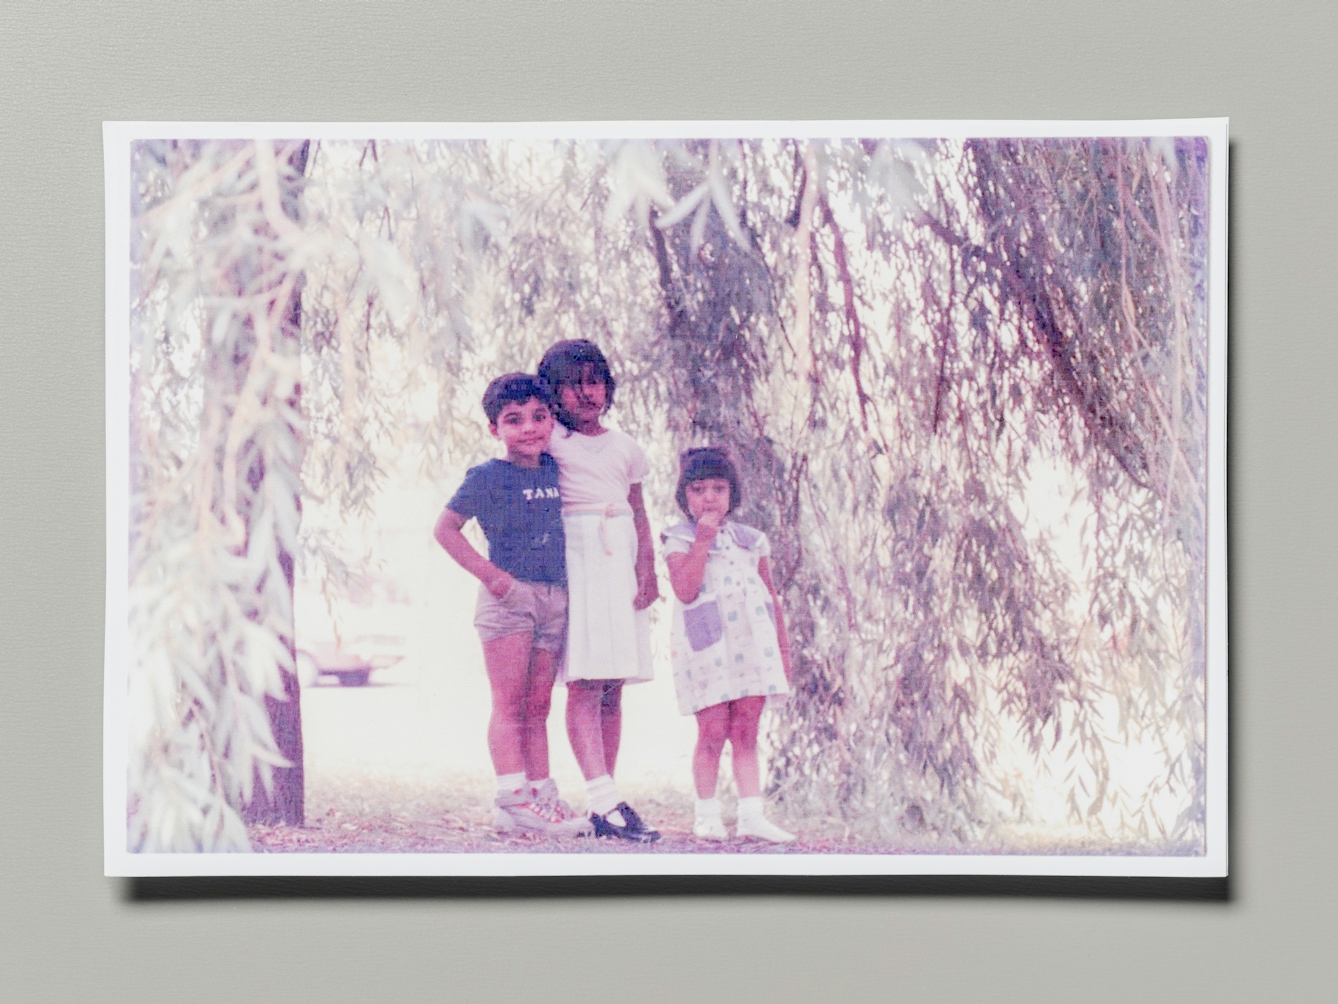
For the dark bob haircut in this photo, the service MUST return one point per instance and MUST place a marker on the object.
(704, 462)
(565, 362)
(514, 388)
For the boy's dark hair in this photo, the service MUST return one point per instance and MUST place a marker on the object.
(704, 462)
(514, 388)
(565, 363)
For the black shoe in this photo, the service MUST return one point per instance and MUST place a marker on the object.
(635, 825)
(634, 830)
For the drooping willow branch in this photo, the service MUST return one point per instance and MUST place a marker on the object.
(1025, 289)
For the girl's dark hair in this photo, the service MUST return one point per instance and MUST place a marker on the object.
(514, 388)
(565, 363)
(704, 462)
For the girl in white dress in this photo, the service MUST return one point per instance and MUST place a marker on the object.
(610, 573)
(729, 646)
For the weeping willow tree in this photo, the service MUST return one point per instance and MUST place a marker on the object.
(965, 383)
(216, 454)
(901, 342)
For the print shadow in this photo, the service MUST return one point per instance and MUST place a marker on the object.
(165, 890)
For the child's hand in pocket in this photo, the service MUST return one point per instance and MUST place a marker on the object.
(500, 584)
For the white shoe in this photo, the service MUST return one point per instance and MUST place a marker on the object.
(710, 829)
(762, 828)
(548, 792)
(522, 811)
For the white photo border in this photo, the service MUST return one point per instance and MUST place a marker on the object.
(118, 861)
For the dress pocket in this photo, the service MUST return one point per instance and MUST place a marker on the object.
(702, 624)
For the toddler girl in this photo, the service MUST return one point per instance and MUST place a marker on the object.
(729, 646)
(610, 573)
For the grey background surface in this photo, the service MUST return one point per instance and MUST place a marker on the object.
(67, 933)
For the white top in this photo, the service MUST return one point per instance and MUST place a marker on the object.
(597, 470)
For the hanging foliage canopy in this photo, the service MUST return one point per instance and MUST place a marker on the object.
(966, 384)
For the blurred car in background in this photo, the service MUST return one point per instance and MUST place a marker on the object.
(350, 660)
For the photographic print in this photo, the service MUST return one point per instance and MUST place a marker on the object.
(666, 498)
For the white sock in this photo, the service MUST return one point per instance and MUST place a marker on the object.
(536, 783)
(602, 795)
(707, 808)
(750, 808)
(507, 783)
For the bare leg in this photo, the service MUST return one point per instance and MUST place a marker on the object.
(744, 714)
(538, 701)
(712, 730)
(507, 660)
(611, 722)
(583, 726)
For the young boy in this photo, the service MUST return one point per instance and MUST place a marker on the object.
(522, 606)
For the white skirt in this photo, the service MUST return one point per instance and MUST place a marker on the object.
(606, 638)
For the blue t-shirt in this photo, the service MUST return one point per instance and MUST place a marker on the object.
(520, 511)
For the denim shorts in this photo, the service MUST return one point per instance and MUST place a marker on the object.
(537, 608)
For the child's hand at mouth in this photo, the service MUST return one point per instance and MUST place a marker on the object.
(708, 525)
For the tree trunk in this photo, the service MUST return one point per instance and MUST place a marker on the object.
(286, 800)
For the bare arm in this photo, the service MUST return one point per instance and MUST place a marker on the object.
(686, 570)
(448, 535)
(648, 590)
(782, 636)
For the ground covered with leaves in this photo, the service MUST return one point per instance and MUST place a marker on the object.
(453, 816)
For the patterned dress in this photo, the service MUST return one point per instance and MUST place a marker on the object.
(723, 644)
